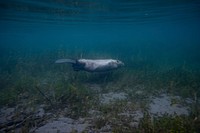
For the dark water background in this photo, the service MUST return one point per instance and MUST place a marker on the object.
(162, 33)
(154, 29)
(158, 40)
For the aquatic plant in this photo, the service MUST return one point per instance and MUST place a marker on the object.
(167, 123)
(69, 93)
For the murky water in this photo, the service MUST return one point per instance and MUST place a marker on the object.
(158, 41)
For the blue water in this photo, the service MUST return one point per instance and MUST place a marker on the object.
(163, 33)
(123, 27)
(158, 40)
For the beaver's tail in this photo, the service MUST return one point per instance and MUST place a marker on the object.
(71, 61)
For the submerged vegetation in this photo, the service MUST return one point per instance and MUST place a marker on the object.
(36, 80)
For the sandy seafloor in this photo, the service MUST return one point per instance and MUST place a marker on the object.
(158, 105)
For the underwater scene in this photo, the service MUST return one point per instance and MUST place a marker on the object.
(100, 66)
